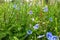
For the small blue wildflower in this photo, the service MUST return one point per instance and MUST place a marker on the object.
(49, 35)
(55, 38)
(14, 6)
(36, 26)
(30, 12)
(45, 9)
(50, 19)
(29, 32)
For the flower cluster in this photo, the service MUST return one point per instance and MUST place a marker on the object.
(35, 27)
(51, 37)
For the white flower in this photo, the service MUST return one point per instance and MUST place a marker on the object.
(43, 23)
(40, 36)
(33, 19)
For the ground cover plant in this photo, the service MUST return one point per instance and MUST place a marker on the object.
(26, 21)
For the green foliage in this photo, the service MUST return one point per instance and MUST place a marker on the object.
(15, 22)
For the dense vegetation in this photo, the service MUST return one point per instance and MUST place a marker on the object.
(23, 21)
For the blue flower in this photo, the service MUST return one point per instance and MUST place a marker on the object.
(29, 32)
(45, 9)
(50, 19)
(36, 26)
(49, 35)
(55, 38)
(30, 12)
(14, 6)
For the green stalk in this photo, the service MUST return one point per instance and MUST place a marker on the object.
(56, 25)
(35, 36)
